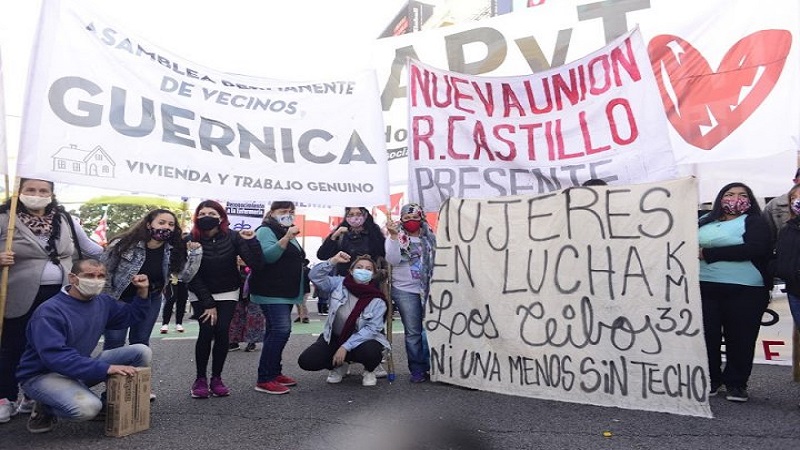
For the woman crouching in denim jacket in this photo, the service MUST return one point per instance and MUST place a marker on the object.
(353, 331)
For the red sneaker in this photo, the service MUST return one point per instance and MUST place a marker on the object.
(272, 387)
(286, 381)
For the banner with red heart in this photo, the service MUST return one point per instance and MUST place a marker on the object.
(706, 106)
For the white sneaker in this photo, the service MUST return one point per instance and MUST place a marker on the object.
(369, 379)
(164, 329)
(25, 404)
(380, 372)
(335, 376)
(7, 410)
(179, 328)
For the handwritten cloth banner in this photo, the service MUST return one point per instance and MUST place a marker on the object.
(105, 108)
(728, 70)
(597, 117)
(589, 295)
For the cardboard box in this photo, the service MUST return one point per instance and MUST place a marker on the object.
(128, 403)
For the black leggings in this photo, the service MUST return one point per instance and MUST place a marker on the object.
(320, 355)
(218, 334)
(177, 299)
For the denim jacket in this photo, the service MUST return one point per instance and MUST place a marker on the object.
(122, 267)
(369, 325)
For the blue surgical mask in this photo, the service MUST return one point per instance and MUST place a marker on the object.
(362, 275)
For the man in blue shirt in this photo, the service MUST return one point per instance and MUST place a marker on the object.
(57, 368)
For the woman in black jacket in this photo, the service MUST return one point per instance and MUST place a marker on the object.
(356, 235)
(734, 285)
(216, 290)
(787, 254)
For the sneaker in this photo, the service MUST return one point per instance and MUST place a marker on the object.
(25, 404)
(714, 389)
(7, 410)
(250, 347)
(337, 374)
(380, 372)
(152, 396)
(737, 394)
(286, 381)
(272, 387)
(233, 347)
(418, 377)
(218, 388)
(305, 320)
(200, 388)
(40, 421)
(164, 329)
(179, 328)
(369, 379)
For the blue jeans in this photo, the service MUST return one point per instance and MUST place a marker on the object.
(410, 307)
(139, 332)
(72, 399)
(794, 307)
(279, 326)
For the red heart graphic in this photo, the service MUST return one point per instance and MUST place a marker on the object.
(695, 96)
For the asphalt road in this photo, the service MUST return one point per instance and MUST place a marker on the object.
(402, 415)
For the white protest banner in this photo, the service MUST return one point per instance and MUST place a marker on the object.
(728, 70)
(597, 117)
(105, 108)
(589, 295)
(245, 214)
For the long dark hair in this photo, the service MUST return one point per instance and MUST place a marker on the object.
(224, 223)
(716, 208)
(57, 210)
(140, 233)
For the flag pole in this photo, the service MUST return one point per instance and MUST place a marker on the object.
(12, 219)
(387, 291)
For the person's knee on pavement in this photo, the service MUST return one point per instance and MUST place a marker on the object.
(86, 407)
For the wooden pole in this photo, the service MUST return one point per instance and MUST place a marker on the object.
(796, 355)
(387, 291)
(12, 224)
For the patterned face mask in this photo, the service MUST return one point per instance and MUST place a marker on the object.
(355, 221)
(735, 206)
(161, 234)
(795, 206)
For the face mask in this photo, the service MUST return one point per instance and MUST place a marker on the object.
(735, 206)
(161, 234)
(90, 287)
(362, 275)
(34, 201)
(412, 226)
(285, 220)
(355, 221)
(795, 206)
(207, 223)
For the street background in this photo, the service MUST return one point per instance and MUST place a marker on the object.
(401, 415)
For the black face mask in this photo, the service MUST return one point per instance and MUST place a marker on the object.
(207, 223)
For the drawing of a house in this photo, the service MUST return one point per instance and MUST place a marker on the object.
(94, 163)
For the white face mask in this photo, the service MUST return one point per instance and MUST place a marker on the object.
(286, 220)
(34, 201)
(90, 287)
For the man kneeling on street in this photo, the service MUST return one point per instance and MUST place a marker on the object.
(57, 368)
